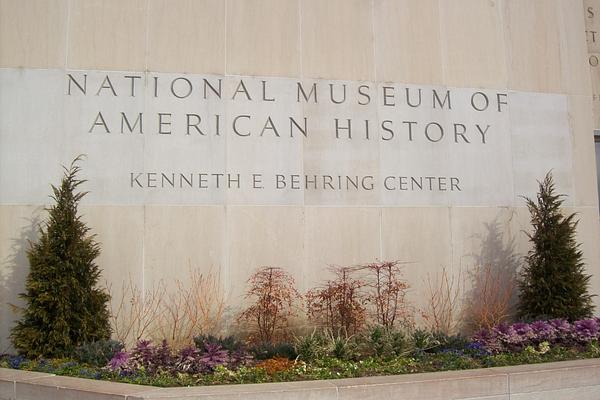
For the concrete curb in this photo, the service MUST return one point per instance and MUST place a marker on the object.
(552, 381)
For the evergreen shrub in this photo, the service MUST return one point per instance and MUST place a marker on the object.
(553, 283)
(64, 307)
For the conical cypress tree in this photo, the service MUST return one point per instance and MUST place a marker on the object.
(64, 308)
(553, 283)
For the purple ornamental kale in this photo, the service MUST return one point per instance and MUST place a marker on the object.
(151, 358)
(503, 330)
(239, 358)
(188, 360)
(142, 353)
(543, 332)
(163, 357)
(508, 337)
(488, 339)
(523, 330)
(522, 334)
(119, 361)
(213, 356)
(565, 332)
(586, 330)
(562, 326)
(517, 336)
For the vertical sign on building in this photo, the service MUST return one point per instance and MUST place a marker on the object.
(592, 33)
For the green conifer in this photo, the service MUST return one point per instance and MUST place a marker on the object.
(64, 308)
(553, 283)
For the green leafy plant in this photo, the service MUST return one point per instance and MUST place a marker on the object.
(340, 346)
(64, 308)
(384, 342)
(309, 347)
(97, 353)
(450, 342)
(265, 350)
(594, 348)
(423, 340)
(553, 282)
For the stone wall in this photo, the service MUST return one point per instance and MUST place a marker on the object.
(530, 54)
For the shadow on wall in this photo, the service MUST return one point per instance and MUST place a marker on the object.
(493, 292)
(13, 272)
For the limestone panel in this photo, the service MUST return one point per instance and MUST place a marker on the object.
(484, 239)
(270, 148)
(186, 36)
(107, 34)
(96, 125)
(32, 33)
(182, 152)
(594, 70)
(420, 239)
(120, 232)
(350, 129)
(584, 155)
(182, 239)
(262, 236)
(588, 234)
(575, 77)
(520, 225)
(158, 138)
(339, 236)
(534, 45)
(541, 142)
(473, 43)
(337, 39)
(485, 236)
(19, 224)
(263, 37)
(32, 116)
(406, 51)
(467, 151)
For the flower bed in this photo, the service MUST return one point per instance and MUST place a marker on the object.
(380, 352)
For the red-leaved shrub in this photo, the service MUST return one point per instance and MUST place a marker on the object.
(273, 294)
(386, 294)
(339, 304)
